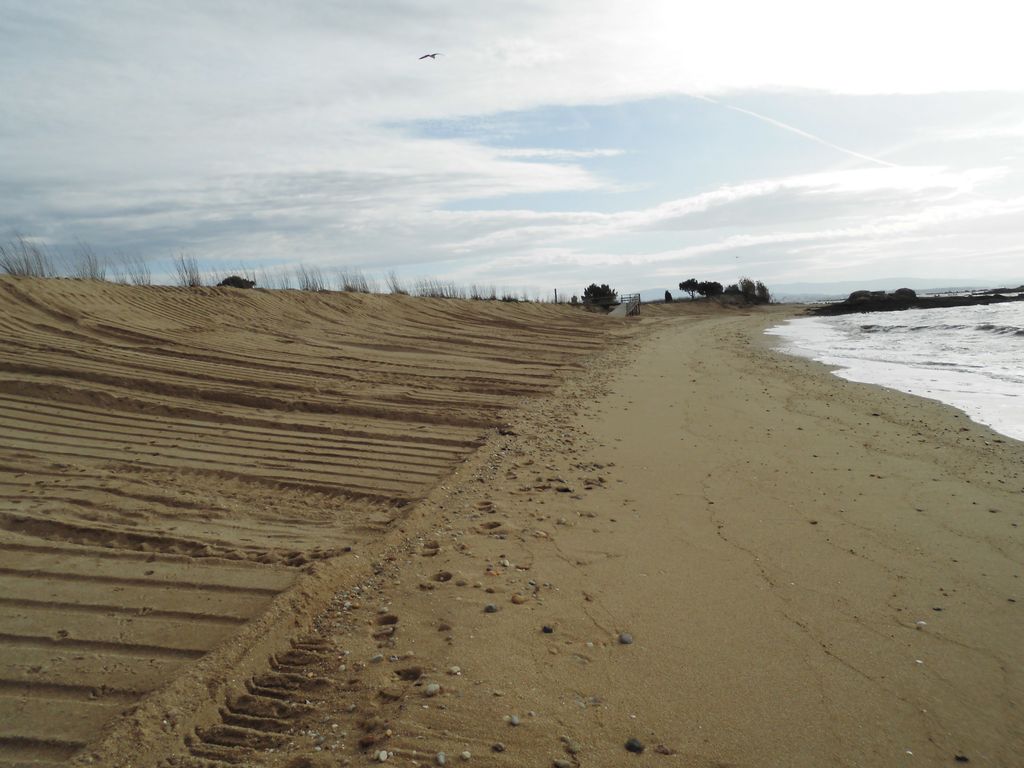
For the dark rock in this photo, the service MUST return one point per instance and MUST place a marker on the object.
(906, 298)
(634, 745)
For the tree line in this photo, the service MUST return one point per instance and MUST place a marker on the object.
(753, 291)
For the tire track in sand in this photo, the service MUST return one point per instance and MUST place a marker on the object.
(171, 459)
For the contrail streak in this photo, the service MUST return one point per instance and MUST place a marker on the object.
(798, 132)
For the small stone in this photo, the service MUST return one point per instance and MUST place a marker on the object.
(625, 638)
(634, 745)
(455, 671)
(382, 756)
(441, 758)
(432, 689)
(498, 747)
(466, 755)
(547, 630)
(562, 764)
(377, 658)
(513, 720)
(572, 747)
(490, 608)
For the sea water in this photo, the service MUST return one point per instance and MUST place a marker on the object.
(969, 357)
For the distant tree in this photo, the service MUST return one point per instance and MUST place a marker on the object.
(690, 286)
(599, 293)
(709, 288)
(668, 296)
(234, 281)
(747, 288)
(761, 291)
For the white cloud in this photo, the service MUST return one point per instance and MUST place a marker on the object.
(269, 129)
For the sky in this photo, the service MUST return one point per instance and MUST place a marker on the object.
(551, 144)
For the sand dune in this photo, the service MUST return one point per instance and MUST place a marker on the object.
(171, 459)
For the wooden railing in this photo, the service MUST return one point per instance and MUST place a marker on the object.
(631, 301)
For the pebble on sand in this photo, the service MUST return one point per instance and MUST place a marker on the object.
(625, 638)
(490, 608)
(441, 758)
(432, 689)
(466, 755)
(562, 764)
(635, 745)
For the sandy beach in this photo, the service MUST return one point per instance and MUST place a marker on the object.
(519, 532)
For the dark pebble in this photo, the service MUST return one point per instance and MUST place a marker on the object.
(962, 758)
(499, 747)
(547, 630)
(626, 639)
(635, 745)
(490, 608)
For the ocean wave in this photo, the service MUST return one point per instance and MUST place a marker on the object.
(968, 357)
(1002, 330)
(943, 327)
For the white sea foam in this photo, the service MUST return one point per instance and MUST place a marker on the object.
(969, 357)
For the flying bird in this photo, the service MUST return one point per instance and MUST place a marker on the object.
(430, 56)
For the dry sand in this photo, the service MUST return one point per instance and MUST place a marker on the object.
(813, 572)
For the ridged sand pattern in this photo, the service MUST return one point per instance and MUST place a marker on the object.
(170, 457)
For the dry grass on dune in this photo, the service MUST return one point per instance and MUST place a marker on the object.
(171, 458)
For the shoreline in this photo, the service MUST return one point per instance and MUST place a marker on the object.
(954, 386)
(771, 538)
